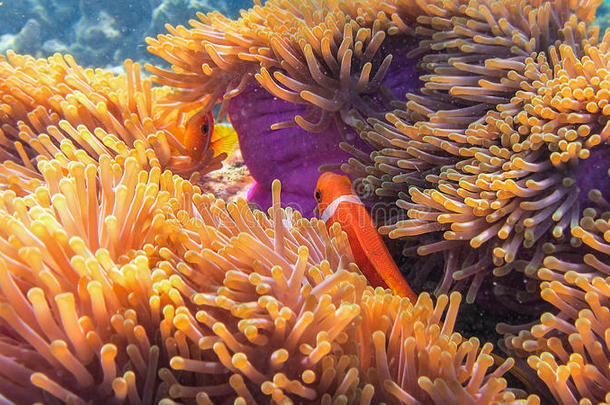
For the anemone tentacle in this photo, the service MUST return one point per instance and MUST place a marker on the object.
(49, 103)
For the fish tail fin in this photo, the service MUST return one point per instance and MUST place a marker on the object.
(224, 140)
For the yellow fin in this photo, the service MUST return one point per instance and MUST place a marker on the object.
(224, 139)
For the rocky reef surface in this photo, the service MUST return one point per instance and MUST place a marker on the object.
(230, 182)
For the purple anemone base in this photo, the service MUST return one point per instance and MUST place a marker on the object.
(293, 154)
(593, 174)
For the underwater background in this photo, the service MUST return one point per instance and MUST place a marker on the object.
(105, 33)
(97, 33)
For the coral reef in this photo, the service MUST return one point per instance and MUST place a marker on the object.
(602, 17)
(230, 182)
(98, 33)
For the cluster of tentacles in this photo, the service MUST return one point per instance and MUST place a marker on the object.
(54, 108)
(525, 174)
(500, 146)
(498, 161)
(122, 282)
(569, 348)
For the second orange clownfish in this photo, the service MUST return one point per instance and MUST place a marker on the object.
(337, 203)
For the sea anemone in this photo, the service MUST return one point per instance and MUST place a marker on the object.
(120, 280)
(274, 310)
(45, 102)
(294, 77)
(473, 155)
(418, 359)
(264, 310)
(570, 349)
(79, 310)
(512, 168)
(129, 284)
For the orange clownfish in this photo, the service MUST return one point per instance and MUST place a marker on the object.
(202, 133)
(198, 134)
(337, 203)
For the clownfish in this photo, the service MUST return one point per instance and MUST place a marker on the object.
(201, 134)
(337, 203)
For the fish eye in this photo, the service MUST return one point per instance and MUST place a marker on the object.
(204, 128)
(318, 195)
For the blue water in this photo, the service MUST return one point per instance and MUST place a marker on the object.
(603, 15)
(97, 32)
